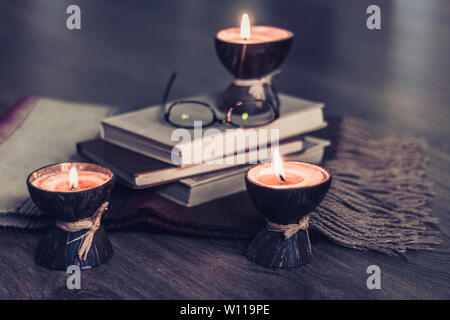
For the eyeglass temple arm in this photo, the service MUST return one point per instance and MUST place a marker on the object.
(277, 102)
(167, 90)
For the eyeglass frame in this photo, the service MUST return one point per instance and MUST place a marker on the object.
(215, 119)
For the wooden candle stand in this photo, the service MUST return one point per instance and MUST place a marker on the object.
(251, 63)
(60, 247)
(286, 208)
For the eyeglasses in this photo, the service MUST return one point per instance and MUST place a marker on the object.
(245, 114)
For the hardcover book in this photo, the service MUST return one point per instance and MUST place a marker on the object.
(139, 171)
(145, 131)
(210, 186)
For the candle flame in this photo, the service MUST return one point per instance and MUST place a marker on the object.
(277, 164)
(73, 178)
(245, 26)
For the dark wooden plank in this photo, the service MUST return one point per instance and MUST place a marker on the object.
(396, 78)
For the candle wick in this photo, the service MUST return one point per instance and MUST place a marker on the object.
(282, 178)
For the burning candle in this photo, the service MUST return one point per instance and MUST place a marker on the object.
(251, 54)
(70, 179)
(291, 174)
(247, 34)
(285, 193)
(77, 195)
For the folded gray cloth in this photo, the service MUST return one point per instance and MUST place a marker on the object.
(48, 134)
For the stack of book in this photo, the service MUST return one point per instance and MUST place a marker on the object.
(140, 148)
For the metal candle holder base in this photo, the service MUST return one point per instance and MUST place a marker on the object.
(284, 207)
(60, 248)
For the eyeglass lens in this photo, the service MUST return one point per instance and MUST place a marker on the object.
(252, 114)
(185, 113)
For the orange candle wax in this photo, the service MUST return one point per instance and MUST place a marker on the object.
(61, 181)
(259, 34)
(296, 175)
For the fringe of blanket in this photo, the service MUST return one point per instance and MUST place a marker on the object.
(379, 198)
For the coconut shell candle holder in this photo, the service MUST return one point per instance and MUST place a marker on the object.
(252, 57)
(286, 203)
(76, 195)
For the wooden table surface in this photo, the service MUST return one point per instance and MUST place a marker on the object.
(396, 78)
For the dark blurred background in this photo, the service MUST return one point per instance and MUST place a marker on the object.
(396, 77)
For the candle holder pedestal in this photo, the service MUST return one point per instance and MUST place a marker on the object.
(252, 65)
(271, 249)
(56, 251)
(78, 215)
(284, 243)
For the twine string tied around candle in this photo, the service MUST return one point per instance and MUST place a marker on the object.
(257, 85)
(289, 229)
(91, 223)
